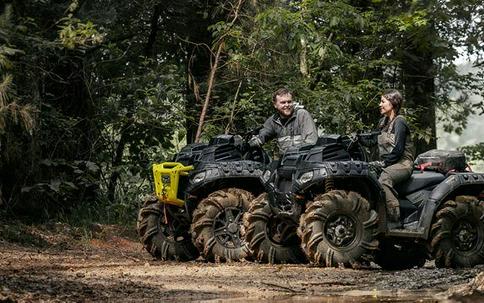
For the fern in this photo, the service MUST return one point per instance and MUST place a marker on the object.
(26, 117)
(6, 16)
(5, 86)
(4, 62)
(10, 111)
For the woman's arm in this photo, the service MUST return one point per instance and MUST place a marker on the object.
(401, 131)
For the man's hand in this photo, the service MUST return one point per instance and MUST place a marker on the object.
(379, 164)
(376, 167)
(255, 142)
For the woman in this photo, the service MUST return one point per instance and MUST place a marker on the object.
(396, 149)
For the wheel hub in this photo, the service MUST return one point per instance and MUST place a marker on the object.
(340, 230)
(232, 228)
(226, 227)
(465, 236)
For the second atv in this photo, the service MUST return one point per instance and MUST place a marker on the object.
(344, 223)
(273, 218)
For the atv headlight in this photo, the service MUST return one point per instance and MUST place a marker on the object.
(198, 177)
(266, 175)
(306, 177)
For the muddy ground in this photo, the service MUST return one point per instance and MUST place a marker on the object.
(62, 264)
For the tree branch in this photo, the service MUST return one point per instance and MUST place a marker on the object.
(209, 92)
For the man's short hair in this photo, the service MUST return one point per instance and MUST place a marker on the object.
(281, 92)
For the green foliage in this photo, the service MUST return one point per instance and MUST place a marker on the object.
(410, 20)
(5, 94)
(474, 152)
(339, 55)
(16, 116)
(11, 110)
(117, 85)
(268, 51)
(74, 33)
(101, 101)
(62, 183)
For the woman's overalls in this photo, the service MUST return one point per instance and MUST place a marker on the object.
(395, 173)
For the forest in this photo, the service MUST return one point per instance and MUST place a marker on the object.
(92, 93)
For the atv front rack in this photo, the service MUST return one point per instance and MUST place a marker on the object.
(167, 177)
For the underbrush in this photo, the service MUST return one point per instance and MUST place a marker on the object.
(76, 226)
(48, 220)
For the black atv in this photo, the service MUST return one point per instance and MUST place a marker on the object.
(344, 223)
(273, 218)
(200, 199)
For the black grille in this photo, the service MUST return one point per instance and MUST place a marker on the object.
(220, 153)
(190, 153)
(227, 153)
(330, 152)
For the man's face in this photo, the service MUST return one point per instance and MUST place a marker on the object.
(284, 105)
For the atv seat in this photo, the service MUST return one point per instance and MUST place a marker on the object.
(329, 139)
(419, 180)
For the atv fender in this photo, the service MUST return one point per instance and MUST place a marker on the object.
(314, 178)
(215, 174)
(441, 192)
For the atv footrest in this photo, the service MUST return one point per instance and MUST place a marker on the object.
(406, 233)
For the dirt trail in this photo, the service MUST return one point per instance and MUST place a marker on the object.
(115, 268)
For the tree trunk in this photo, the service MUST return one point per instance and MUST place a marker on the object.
(149, 51)
(149, 47)
(419, 88)
(117, 161)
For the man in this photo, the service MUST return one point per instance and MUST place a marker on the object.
(291, 126)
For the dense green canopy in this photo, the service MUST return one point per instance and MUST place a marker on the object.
(92, 92)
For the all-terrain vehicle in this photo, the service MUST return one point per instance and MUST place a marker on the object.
(200, 199)
(344, 221)
(273, 218)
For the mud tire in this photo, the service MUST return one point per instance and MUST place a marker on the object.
(338, 229)
(398, 256)
(458, 233)
(267, 245)
(217, 223)
(165, 241)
